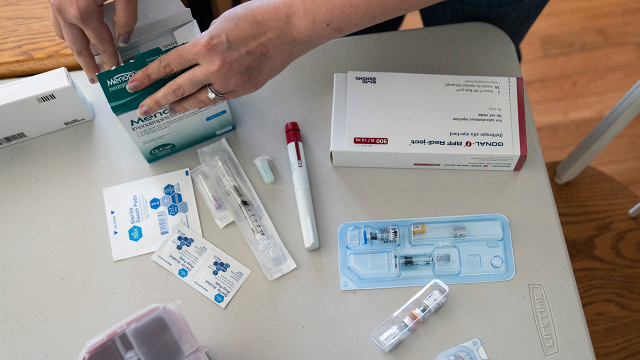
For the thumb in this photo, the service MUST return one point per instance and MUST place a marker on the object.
(124, 20)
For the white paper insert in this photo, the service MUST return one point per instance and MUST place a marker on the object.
(142, 213)
(200, 264)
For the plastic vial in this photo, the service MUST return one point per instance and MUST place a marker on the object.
(459, 231)
(434, 299)
(402, 323)
(420, 230)
(383, 235)
(390, 335)
(430, 304)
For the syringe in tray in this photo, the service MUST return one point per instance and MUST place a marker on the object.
(422, 259)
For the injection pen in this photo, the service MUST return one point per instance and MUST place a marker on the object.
(301, 186)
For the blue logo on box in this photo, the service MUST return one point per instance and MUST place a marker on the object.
(169, 189)
(173, 209)
(218, 298)
(217, 115)
(183, 272)
(176, 198)
(184, 241)
(154, 203)
(183, 207)
(135, 233)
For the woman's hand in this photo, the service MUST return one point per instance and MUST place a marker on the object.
(252, 43)
(81, 22)
(242, 50)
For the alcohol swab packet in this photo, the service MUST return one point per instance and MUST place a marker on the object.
(142, 213)
(200, 264)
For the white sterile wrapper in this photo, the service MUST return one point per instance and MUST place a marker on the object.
(200, 264)
(226, 176)
(142, 213)
(221, 215)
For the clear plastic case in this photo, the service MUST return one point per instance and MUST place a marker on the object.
(397, 327)
(410, 252)
(158, 332)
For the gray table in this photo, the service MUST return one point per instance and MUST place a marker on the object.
(60, 286)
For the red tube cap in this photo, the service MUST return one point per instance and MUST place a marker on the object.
(293, 132)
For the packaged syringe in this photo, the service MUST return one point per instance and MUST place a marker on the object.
(226, 177)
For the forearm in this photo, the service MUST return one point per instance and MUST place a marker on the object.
(322, 20)
(299, 26)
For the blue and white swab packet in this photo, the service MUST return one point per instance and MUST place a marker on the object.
(142, 213)
(470, 350)
(200, 264)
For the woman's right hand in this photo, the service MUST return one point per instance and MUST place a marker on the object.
(81, 23)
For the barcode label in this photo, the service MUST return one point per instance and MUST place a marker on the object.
(12, 138)
(45, 98)
(163, 221)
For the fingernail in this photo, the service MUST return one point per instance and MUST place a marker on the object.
(144, 111)
(173, 110)
(133, 86)
(123, 40)
(93, 80)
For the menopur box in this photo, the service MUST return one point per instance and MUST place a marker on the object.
(428, 121)
(40, 104)
(160, 134)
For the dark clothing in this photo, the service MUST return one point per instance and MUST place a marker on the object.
(514, 17)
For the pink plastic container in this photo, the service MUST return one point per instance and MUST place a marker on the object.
(158, 332)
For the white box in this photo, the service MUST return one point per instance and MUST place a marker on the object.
(40, 104)
(428, 121)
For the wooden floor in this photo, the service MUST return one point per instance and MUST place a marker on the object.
(604, 246)
(578, 60)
